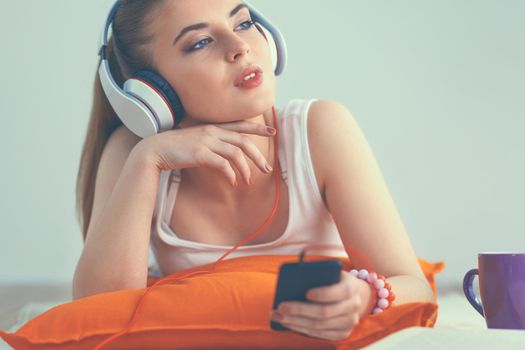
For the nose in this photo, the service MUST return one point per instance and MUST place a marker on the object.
(237, 49)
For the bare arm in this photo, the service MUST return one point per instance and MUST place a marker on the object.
(356, 195)
(115, 254)
(359, 200)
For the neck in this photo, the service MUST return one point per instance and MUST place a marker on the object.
(214, 185)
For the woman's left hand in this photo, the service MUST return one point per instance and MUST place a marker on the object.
(333, 311)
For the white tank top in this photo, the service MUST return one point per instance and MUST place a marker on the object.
(309, 223)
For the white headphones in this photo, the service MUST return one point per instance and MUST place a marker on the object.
(147, 104)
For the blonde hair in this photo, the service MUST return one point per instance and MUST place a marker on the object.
(127, 53)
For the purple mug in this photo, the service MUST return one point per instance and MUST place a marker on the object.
(502, 289)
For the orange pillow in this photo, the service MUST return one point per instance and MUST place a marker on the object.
(227, 309)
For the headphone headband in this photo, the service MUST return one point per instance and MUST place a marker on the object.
(104, 38)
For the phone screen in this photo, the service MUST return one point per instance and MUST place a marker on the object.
(295, 279)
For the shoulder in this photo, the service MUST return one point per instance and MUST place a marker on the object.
(324, 114)
(328, 123)
(117, 149)
(114, 155)
(122, 139)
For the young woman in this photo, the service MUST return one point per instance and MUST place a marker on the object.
(193, 192)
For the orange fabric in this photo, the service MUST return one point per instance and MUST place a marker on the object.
(227, 309)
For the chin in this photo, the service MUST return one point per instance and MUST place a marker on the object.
(260, 99)
(257, 106)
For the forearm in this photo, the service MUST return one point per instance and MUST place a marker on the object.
(406, 288)
(115, 254)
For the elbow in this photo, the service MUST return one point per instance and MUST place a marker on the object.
(80, 292)
(83, 287)
(427, 294)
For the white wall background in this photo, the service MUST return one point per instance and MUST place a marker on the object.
(437, 86)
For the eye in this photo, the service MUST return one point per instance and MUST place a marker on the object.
(249, 24)
(199, 44)
(203, 42)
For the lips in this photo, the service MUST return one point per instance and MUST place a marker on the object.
(252, 68)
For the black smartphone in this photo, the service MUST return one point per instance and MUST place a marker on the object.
(295, 279)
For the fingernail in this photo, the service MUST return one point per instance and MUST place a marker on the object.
(270, 130)
(268, 167)
(277, 317)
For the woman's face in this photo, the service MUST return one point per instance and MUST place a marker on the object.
(203, 64)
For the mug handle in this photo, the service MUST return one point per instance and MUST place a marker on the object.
(469, 291)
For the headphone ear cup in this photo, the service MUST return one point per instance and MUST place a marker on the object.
(133, 113)
(158, 95)
(269, 39)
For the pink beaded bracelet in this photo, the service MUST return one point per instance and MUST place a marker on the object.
(385, 296)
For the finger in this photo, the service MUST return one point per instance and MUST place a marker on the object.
(245, 143)
(333, 335)
(235, 155)
(206, 157)
(341, 322)
(342, 290)
(317, 310)
(247, 127)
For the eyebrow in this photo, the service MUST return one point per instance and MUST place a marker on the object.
(205, 25)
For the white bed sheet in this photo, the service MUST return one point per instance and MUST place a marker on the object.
(458, 326)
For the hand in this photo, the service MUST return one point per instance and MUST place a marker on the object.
(333, 311)
(209, 145)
